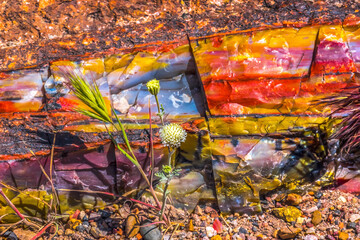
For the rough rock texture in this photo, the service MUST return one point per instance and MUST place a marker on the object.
(237, 93)
(36, 32)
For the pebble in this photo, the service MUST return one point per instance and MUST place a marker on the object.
(289, 213)
(151, 232)
(293, 199)
(210, 232)
(68, 232)
(318, 194)
(351, 225)
(95, 233)
(80, 228)
(311, 210)
(216, 237)
(354, 217)
(288, 232)
(310, 230)
(95, 216)
(343, 236)
(342, 199)
(330, 237)
(243, 230)
(105, 214)
(10, 235)
(82, 214)
(60, 232)
(316, 217)
(310, 237)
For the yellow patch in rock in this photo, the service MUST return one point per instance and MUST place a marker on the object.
(289, 213)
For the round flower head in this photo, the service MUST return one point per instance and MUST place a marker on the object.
(172, 135)
(153, 86)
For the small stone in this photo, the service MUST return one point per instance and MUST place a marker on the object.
(241, 236)
(243, 230)
(316, 217)
(82, 214)
(343, 236)
(216, 237)
(354, 217)
(105, 214)
(210, 232)
(310, 230)
(10, 235)
(318, 195)
(310, 237)
(254, 229)
(93, 224)
(293, 199)
(94, 216)
(289, 213)
(342, 199)
(288, 232)
(351, 225)
(341, 225)
(330, 237)
(309, 225)
(132, 226)
(150, 232)
(60, 232)
(95, 233)
(311, 210)
(198, 210)
(191, 226)
(80, 228)
(68, 232)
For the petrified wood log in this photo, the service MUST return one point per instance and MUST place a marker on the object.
(238, 75)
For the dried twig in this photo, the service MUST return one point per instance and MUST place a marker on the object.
(42, 230)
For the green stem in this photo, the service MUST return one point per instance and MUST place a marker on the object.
(159, 111)
(164, 199)
(170, 157)
(124, 135)
(166, 187)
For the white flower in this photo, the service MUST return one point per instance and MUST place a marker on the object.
(172, 135)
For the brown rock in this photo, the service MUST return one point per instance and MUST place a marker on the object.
(293, 199)
(199, 211)
(69, 232)
(132, 226)
(316, 217)
(288, 232)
